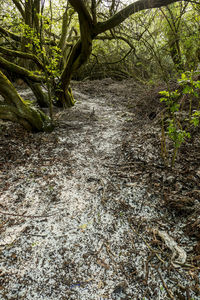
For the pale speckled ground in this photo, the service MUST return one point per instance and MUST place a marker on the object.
(69, 237)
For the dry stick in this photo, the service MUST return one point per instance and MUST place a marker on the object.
(188, 292)
(103, 193)
(164, 284)
(185, 265)
(110, 254)
(147, 267)
(38, 235)
(150, 248)
(164, 152)
(169, 293)
(24, 216)
(147, 272)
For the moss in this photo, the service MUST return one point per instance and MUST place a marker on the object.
(70, 94)
(18, 110)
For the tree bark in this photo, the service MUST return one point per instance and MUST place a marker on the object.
(79, 54)
(23, 72)
(41, 97)
(13, 53)
(19, 7)
(15, 109)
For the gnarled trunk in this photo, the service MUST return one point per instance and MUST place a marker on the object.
(15, 109)
(79, 54)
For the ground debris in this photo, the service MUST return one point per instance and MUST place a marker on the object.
(79, 203)
(179, 255)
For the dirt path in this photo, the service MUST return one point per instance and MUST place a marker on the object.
(78, 217)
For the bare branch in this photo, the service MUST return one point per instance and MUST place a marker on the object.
(7, 65)
(13, 53)
(19, 7)
(123, 14)
(10, 34)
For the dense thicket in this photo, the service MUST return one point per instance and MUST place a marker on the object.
(46, 43)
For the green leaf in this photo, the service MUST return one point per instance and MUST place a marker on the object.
(164, 93)
(187, 89)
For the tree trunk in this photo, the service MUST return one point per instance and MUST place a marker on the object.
(79, 54)
(77, 58)
(41, 97)
(15, 109)
(175, 54)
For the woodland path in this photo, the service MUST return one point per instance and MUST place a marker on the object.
(80, 209)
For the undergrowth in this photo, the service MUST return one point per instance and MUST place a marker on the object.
(181, 114)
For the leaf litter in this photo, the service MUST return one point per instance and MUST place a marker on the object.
(90, 212)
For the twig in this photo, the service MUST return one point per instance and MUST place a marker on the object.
(188, 292)
(147, 267)
(169, 293)
(173, 246)
(103, 192)
(38, 235)
(147, 244)
(24, 216)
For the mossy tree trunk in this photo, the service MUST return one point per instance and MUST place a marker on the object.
(41, 97)
(31, 79)
(79, 54)
(15, 109)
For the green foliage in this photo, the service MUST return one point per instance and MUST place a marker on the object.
(50, 56)
(34, 43)
(190, 86)
(32, 40)
(195, 118)
(174, 120)
(177, 135)
(170, 99)
(53, 66)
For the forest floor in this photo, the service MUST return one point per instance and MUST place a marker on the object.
(90, 212)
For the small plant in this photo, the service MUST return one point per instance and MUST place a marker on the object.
(178, 136)
(195, 118)
(190, 87)
(172, 121)
(170, 99)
